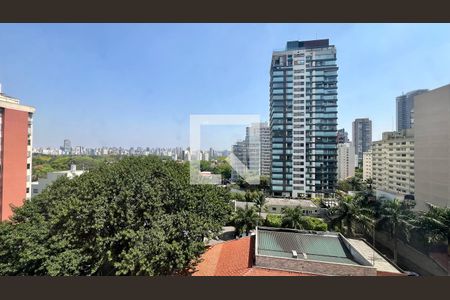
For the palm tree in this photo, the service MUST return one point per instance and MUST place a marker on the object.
(349, 212)
(397, 217)
(245, 219)
(434, 224)
(292, 218)
(260, 202)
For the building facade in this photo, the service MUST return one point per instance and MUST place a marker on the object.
(361, 136)
(39, 186)
(405, 109)
(367, 165)
(260, 149)
(303, 119)
(346, 160)
(432, 148)
(16, 137)
(393, 163)
(342, 136)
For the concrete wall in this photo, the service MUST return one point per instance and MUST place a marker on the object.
(314, 267)
(432, 148)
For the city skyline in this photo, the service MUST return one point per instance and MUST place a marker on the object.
(99, 95)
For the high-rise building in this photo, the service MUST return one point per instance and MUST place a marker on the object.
(303, 119)
(342, 136)
(345, 160)
(432, 147)
(16, 133)
(361, 136)
(405, 109)
(367, 165)
(260, 149)
(393, 164)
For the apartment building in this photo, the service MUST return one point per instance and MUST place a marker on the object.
(16, 133)
(367, 165)
(303, 119)
(393, 164)
(405, 109)
(346, 160)
(432, 147)
(259, 147)
(342, 136)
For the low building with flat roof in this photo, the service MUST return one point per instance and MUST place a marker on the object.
(276, 205)
(289, 252)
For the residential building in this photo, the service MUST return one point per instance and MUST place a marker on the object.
(405, 109)
(16, 139)
(367, 165)
(361, 136)
(290, 252)
(259, 148)
(432, 147)
(240, 150)
(342, 136)
(39, 186)
(346, 160)
(303, 119)
(393, 164)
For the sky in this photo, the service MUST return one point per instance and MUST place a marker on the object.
(135, 85)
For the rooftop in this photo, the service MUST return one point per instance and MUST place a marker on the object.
(326, 247)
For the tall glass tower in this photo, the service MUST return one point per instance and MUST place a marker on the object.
(303, 119)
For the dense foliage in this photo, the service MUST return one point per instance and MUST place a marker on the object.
(43, 164)
(138, 216)
(220, 166)
(293, 218)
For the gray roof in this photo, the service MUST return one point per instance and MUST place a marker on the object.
(291, 202)
(320, 246)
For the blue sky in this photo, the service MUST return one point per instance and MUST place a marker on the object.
(136, 84)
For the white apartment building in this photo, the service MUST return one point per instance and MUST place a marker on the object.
(393, 163)
(345, 160)
(367, 164)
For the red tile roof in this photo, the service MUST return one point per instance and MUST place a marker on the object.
(235, 258)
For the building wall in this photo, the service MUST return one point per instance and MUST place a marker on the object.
(314, 267)
(432, 149)
(346, 161)
(14, 160)
(367, 165)
(405, 109)
(393, 163)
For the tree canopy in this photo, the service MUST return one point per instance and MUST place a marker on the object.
(137, 216)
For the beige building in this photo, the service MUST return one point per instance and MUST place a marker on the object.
(432, 161)
(367, 164)
(393, 164)
(345, 160)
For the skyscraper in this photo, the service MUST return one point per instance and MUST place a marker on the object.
(67, 147)
(303, 119)
(16, 134)
(261, 150)
(405, 109)
(361, 136)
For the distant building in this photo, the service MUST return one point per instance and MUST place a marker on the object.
(259, 149)
(16, 139)
(290, 252)
(346, 161)
(393, 164)
(39, 186)
(405, 109)
(67, 147)
(432, 147)
(276, 205)
(361, 136)
(367, 165)
(342, 136)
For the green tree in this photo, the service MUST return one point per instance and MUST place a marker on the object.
(434, 224)
(398, 219)
(260, 202)
(245, 219)
(349, 213)
(292, 218)
(138, 216)
(273, 220)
